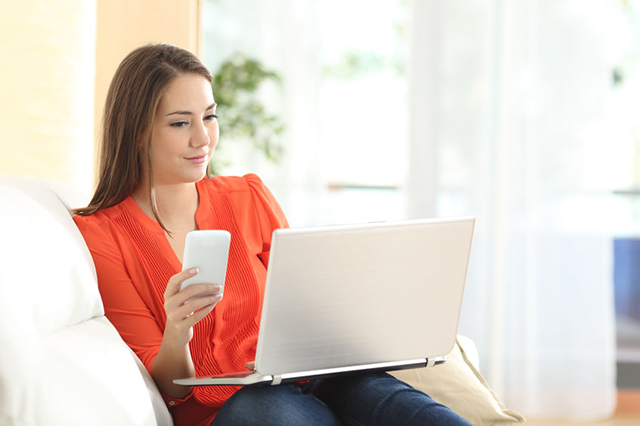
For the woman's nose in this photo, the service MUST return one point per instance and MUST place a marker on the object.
(201, 136)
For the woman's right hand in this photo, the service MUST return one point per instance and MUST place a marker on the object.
(186, 308)
(183, 309)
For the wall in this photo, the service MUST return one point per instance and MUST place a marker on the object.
(124, 25)
(47, 58)
(57, 58)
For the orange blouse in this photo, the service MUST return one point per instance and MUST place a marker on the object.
(134, 262)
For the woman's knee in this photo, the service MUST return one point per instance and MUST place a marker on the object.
(380, 399)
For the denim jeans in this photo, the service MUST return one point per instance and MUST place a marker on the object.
(362, 399)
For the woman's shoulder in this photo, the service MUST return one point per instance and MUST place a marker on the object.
(100, 222)
(228, 184)
(96, 218)
(95, 227)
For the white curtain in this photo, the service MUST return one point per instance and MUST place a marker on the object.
(508, 122)
(508, 107)
(283, 36)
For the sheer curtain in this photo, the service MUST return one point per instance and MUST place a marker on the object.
(345, 139)
(508, 110)
(283, 36)
(508, 122)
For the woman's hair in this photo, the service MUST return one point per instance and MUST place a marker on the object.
(135, 92)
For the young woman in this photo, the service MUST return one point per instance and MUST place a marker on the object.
(159, 132)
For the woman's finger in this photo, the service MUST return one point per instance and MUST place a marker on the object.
(191, 294)
(181, 320)
(173, 286)
(194, 317)
(196, 303)
(185, 308)
(180, 306)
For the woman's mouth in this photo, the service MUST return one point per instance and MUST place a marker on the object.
(198, 159)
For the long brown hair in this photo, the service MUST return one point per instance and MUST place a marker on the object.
(134, 94)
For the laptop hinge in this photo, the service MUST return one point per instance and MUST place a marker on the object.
(277, 379)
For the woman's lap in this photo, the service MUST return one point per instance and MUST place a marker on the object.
(363, 399)
(274, 405)
(381, 399)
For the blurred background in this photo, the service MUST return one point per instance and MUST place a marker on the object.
(524, 114)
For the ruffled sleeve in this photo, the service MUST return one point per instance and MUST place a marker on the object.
(269, 213)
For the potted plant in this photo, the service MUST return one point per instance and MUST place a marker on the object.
(243, 118)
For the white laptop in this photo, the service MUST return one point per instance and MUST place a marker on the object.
(347, 298)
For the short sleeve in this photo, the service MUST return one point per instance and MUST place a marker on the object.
(270, 214)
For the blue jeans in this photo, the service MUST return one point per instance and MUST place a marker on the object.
(363, 399)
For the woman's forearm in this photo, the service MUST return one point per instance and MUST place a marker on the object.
(184, 310)
(172, 362)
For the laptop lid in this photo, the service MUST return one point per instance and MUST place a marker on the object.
(351, 295)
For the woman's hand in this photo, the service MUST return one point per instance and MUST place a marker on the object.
(183, 309)
(186, 308)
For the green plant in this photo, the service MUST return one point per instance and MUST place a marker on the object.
(242, 116)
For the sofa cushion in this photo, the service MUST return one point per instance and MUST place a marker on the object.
(61, 361)
(43, 263)
(459, 385)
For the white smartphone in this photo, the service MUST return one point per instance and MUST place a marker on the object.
(207, 250)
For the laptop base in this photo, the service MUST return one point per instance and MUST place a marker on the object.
(247, 378)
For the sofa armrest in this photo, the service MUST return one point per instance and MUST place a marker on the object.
(470, 349)
(160, 409)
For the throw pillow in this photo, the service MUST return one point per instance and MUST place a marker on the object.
(460, 386)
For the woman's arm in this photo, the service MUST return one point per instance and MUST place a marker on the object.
(184, 309)
(137, 314)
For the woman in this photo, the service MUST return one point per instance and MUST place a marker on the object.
(159, 132)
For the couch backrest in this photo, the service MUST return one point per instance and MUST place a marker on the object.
(61, 361)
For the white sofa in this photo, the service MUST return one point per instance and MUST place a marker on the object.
(63, 363)
(61, 360)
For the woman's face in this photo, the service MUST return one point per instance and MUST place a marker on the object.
(185, 131)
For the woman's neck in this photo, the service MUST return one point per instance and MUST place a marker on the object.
(176, 207)
(176, 204)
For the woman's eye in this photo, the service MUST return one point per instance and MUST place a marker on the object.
(179, 124)
(210, 117)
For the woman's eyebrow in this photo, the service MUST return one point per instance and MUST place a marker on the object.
(180, 112)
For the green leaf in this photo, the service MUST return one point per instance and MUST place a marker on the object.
(242, 117)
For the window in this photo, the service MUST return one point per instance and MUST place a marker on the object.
(342, 99)
(626, 77)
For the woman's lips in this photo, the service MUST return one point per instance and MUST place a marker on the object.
(198, 159)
